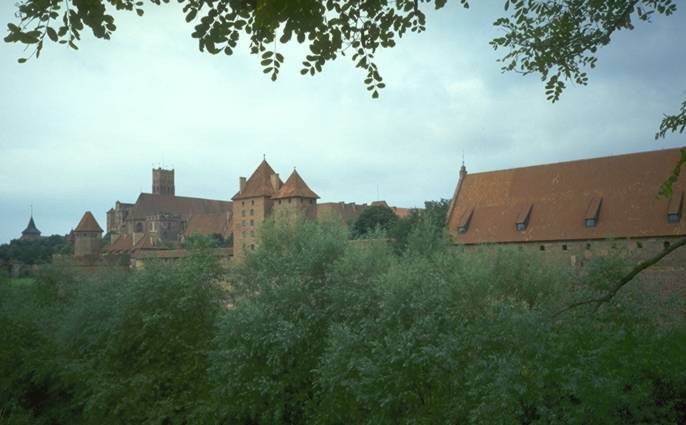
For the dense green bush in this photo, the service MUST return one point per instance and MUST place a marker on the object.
(329, 331)
(39, 251)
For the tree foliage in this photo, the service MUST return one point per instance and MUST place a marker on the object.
(557, 40)
(38, 251)
(372, 219)
(328, 331)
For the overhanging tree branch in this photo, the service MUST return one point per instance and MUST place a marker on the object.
(626, 279)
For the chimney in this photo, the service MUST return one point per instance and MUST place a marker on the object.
(241, 183)
(275, 181)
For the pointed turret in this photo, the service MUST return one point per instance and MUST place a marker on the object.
(295, 187)
(294, 199)
(31, 233)
(263, 182)
(87, 236)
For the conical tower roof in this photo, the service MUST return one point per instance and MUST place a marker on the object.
(88, 224)
(259, 183)
(295, 187)
(31, 228)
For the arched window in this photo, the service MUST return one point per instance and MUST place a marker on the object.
(139, 227)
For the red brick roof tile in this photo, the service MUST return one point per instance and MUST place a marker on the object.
(295, 186)
(259, 183)
(621, 191)
(88, 224)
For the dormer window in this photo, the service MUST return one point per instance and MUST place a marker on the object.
(593, 212)
(523, 218)
(463, 226)
(675, 207)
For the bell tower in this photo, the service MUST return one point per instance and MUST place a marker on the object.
(162, 181)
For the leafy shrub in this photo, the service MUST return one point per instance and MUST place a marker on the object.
(329, 331)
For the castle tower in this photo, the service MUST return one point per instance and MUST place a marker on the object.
(295, 198)
(162, 181)
(31, 233)
(87, 236)
(252, 205)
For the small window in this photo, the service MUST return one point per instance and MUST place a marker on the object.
(675, 207)
(588, 246)
(252, 212)
(564, 247)
(252, 247)
(523, 218)
(666, 244)
(466, 218)
(639, 245)
(593, 211)
(252, 233)
(242, 202)
(289, 200)
(279, 201)
(541, 248)
(311, 201)
(252, 202)
(252, 222)
(243, 213)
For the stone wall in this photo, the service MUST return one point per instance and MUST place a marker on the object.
(669, 274)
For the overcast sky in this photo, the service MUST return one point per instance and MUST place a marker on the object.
(81, 130)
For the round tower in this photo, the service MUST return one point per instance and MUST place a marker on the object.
(87, 237)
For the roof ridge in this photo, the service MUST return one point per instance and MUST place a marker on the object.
(88, 223)
(655, 151)
(295, 186)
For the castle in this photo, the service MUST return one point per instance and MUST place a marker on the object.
(569, 211)
(158, 222)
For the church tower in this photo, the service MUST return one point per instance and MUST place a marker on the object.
(87, 237)
(162, 181)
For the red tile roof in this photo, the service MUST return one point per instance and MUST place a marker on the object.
(295, 186)
(620, 191)
(259, 183)
(123, 244)
(150, 204)
(209, 224)
(88, 224)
